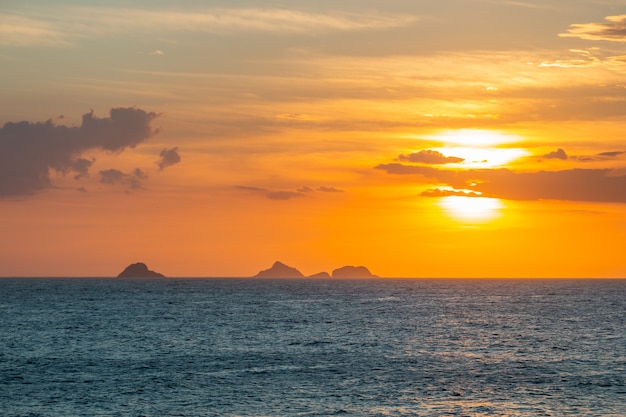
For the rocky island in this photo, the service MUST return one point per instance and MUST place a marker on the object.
(353, 272)
(139, 270)
(280, 270)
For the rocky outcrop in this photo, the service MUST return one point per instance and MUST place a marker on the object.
(352, 272)
(279, 270)
(139, 270)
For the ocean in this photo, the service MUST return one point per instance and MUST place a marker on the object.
(246, 347)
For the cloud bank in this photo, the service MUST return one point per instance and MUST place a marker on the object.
(30, 151)
(600, 185)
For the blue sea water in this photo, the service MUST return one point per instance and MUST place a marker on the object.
(243, 347)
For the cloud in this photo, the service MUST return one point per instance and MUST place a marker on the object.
(524, 4)
(558, 154)
(249, 188)
(132, 179)
(611, 154)
(429, 156)
(602, 185)
(81, 167)
(157, 52)
(614, 30)
(585, 59)
(288, 195)
(18, 30)
(30, 151)
(62, 27)
(169, 157)
(438, 192)
(325, 189)
(283, 195)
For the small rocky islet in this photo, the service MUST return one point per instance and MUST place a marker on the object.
(139, 270)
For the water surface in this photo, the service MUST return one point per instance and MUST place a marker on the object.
(242, 347)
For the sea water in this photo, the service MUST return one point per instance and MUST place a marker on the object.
(245, 347)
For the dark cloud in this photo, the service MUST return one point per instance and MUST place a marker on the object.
(81, 167)
(249, 188)
(611, 154)
(283, 195)
(558, 154)
(321, 188)
(428, 156)
(614, 30)
(169, 157)
(133, 179)
(29, 151)
(325, 189)
(575, 184)
(602, 156)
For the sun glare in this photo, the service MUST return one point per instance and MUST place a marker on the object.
(471, 209)
(478, 157)
(479, 148)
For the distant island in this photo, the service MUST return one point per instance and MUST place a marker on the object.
(353, 272)
(139, 270)
(280, 270)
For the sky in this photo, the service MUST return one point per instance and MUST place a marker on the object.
(456, 138)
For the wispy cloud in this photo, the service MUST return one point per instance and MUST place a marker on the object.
(523, 4)
(62, 27)
(287, 194)
(614, 30)
(585, 59)
(23, 31)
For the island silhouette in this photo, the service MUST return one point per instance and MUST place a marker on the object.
(280, 270)
(352, 272)
(139, 270)
(277, 270)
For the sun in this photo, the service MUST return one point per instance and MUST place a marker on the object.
(474, 157)
(479, 148)
(472, 209)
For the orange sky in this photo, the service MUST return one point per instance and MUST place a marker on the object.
(468, 138)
